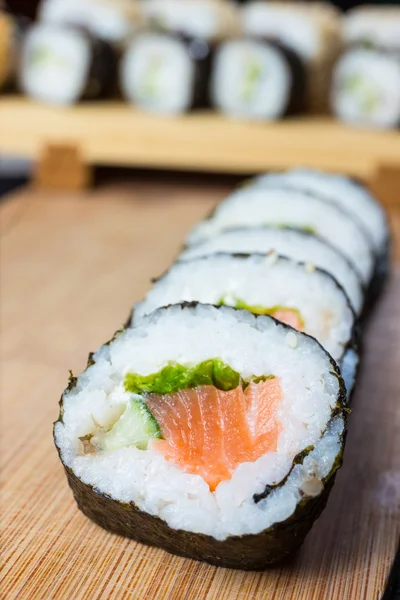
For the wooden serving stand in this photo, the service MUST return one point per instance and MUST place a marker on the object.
(66, 142)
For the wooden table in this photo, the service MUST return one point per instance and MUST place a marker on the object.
(71, 267)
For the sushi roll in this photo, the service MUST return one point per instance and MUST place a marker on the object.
(343, 191)
(166, 73)
(366, 88)
(373, 26)
(312, 30)
(61, 65)
(257, 79)
(113, 21)
(297, 294)
(210, 20)
(223, 450)
(292, 243)
(351, 195)
(249, 207)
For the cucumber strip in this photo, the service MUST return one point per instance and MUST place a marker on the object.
(136, 427)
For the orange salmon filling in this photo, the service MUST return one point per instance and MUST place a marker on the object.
(289, 317)
(210, 432)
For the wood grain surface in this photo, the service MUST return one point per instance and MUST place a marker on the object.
(70, 268)
(114, 133)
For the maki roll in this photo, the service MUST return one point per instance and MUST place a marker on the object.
(366, 83)
(366, 88)
(310, 29)
(291, 208)
(353, 197)
(113, 21)
(292, 243)
(61, 65)
(166, 73)
(257, 79)
(223, 450)
(373, 26)
(209, 20)
(297, 294)
(343, 191)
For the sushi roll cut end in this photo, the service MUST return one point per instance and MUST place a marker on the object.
(165, 73)
(62, 65)
(366, 88)
(222, 451)
(256, 79)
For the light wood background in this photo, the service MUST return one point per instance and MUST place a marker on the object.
(71, 265)
(114, 133)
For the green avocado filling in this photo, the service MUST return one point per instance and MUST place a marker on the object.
(150, 83)
(305, 228)
(253, 72)
(260, 310)
(42, 56)
(363, 90)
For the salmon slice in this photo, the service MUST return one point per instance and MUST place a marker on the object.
(209, 432)
(289, 317)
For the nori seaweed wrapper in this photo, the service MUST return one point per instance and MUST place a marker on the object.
(247, 552)
(297, 96)
(201, 53)
(379, 279)
(102, 75)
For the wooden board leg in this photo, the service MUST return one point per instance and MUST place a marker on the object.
(385, 184)
(61, 167)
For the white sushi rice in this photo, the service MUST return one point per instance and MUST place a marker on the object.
(343, 191)
(204, 19)
(251, 79)
(366, 88)
(249, 207)
(259, 280)
(378, 25)
(108, 20)
(297, 29)
(251, 346)
(55, 62)
(157, 73)
(288, 242)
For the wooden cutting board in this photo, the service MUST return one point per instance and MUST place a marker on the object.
(70, 268)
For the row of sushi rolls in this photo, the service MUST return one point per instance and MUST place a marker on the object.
(262, 61)
(213, 423)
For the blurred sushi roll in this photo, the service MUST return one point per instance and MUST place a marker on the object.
(207, 431)
(350, 195)
(292, 243)
(298, 294)
(373, 26)
(257, 79)
(310, 29)
(280, 207)
(366, 80)
(366, 88)
(166, 72)
(62, 65)
(113, 21)
(210, 20)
